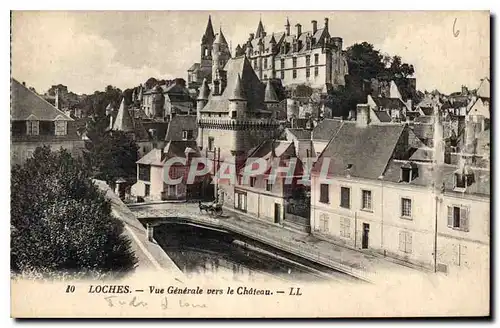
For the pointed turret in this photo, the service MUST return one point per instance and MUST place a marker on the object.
(260, 30)
(123, 121)
(270, 95)
(237, 93)
(238, 50)
(287, 27)
(221, 39)
(209, 35)
(204, 91)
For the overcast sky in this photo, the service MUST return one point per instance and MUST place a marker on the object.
(88, 50)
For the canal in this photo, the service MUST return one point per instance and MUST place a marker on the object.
(213, 253)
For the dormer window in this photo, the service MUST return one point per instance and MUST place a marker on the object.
(463, 179)
(409, 172)
(32, 128)
(61, 128)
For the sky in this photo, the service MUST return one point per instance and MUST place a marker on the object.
(88, 50)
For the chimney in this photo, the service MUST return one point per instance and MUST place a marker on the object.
(287, 26)
(326, 23)
(24, 83)
(465, 91)
(299, 29)
(470, 133)
(315, 26)
(252, 36)
(362, 115)
(57, 99)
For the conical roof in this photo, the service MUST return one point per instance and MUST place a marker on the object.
(220, 39)
(123, 121)
(209, 35)
(270, 95)
(260, 29)
(205, 91)
(237, 92)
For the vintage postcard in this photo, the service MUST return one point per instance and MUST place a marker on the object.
(250, 164)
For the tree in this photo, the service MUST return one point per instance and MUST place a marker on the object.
(61, 222)
(113, 156)
(151, 82)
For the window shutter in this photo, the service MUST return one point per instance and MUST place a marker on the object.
(408, 243)
(464, 219)
(402, 241)
(450, 216)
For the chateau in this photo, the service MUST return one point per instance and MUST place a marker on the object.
(311, 58)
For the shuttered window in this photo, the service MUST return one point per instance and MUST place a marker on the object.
(458, 218)
(323, 193)
(405, 241)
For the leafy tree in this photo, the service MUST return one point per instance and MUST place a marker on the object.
(61, 222)
(113, 156)
(151, 82)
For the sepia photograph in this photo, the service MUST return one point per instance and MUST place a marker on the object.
(250, 164)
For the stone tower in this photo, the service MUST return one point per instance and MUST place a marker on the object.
(207, 41)
(220, 56)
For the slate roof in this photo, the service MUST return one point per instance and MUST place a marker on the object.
(301, 134)
(158, 157)
(382, 116)
(25, 103)
(250, 83)
(483, 90)
(326, 129)
(444, 173)
(270, 94)
(180, 123)
(366, 149)
(123, 121)
(389, 103)
(194, 67)
(160, 127)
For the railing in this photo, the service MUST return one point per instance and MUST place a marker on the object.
(281, 243)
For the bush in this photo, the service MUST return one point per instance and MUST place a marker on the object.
(61, 222)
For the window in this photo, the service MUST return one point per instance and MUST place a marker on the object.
(282, 63)
(269, 185)
(29, 153)
(345, 197)
(463, 180)
(240, 201)
(210, 143)
(316, 71)
(324, 193)
(308, 60)
(294, 73)
(187, 134)
(308, 72)
(282, 74)
(405, 241)
(458, 218)
(294, 62)
(345, 227)
(406, 174)
(32, 128)
(144, 172)
(233, 114)
(255, 63)
(366, 200)
(252, 181)
(172, 190)
(147, 190)
(265, 63)
(406, 208)
(61, 128)
(316, 59)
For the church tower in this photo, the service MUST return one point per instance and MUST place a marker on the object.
(220, 56)
(206, 44)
